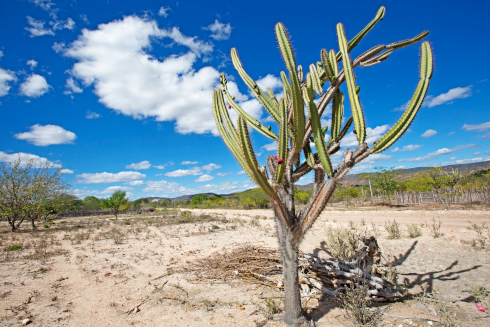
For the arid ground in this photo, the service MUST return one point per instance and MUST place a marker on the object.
(96, 271)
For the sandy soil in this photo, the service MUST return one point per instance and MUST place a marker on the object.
(96, 271)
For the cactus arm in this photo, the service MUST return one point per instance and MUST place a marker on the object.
(355, 41)
(300, 73)
(229, 135)
(252, 122)
(351, 87)
(272, 96)
(329, 71)
(337, 114)
(297, 100)
(401, 126)
(316, 80)
(317, 130)
(250, 158)
(345, 129)
(285, 86)
(406, 43)
(282, 145)
(267, 103)
(376, 60)
(309, 156)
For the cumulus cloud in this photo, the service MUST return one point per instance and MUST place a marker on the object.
(372, 135)
(484, 136)
(36, 27)
(204, 178)
(188, 162)
(223, 174)
(241, 172)
(67, 171)
(270, 146)
(464, 161)
(410, 147)
(47, 135)
(25, 157)
(91, 115)
(452, 94)
(6, 77)
(72, 86)
(140, 165)
(453, 158)
(476, 153)
(164, 11)
(167, 188)
(31, 63)
(477, 127)
(97, 178)
(269, 81)
(194, 171)
(440, 152)
(34, 86)
(112, 189)
(170, 163)
(219, 30)
(211, 166)
(136, 183)
(129, 80)
(429, 133)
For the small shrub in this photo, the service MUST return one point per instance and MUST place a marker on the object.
(214, 226)
(356, 302)
(46, 226)
(480, 240)
(414, 231)
(393, 229)
(139, 212)
(270, 308)
(479, 293)
(435, 228)
(342, 243)
(127, 223)
(14, 247)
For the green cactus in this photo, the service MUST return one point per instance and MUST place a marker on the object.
(296, 131)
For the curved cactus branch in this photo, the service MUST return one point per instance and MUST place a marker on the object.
(282, 145)
(351, 87)
(408, 116)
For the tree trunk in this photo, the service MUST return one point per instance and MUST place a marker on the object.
(33, 224)
(289, 256)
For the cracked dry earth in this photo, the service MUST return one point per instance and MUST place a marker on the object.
(95, 271)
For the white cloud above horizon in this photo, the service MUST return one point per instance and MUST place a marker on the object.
(451, 95)
(98, 178)
(410, 147)
(428, 133)
(219, 31)
(194, 171)
(6, 77)
(139, 166)
(34, 86)
(372, 135)
(187, 162)
(477, 127)
(439, 152)
(25, 157)
(47, 135)
(204, 178)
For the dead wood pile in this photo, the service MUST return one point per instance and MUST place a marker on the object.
(317, 275)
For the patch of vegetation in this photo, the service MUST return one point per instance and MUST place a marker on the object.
(341, 243)
(14, 247)
(356, 302)
(414, 231)
(394, 230)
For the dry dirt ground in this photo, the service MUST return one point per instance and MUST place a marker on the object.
(96, 271)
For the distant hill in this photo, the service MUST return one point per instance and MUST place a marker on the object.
(352, 179)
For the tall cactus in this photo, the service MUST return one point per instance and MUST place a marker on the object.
(296, 131)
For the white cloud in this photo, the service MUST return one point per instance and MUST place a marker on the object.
(241, 172)
(47, 135)
(477, 127)
(84, 18)
(211, 166)
(25, 157)
(137, 84)
(135, 183)
(167, 188)
(6, 77)
(140, 165)
(58, 47)
(123, 176)
(163, 11)
(372, 135)
(34, 86)
(440, 152)
(403, 107)
(112, 189)
(452, 94)
(170, 163)
(453, 158)
(204, 178)
(429, 133)
(269, 81)
(188, 162)
(410, 147)
(44, 4)
(476, 153)
(451, 133)
(464, 161)
(185, 172)
(484, 136)
(219, 30)
(37, 28)
(32, 63)
(72, 86)
(223, 174)
(91, 115)
(67, 171)
(270, 147)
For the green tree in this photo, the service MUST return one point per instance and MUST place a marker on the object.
(383, 179)
(199, 199)
(140, 202)
(29, 191)
(91, 202)
(296, 130)
(117, 199)
(302, 196)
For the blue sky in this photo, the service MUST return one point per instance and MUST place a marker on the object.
(119, 93)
